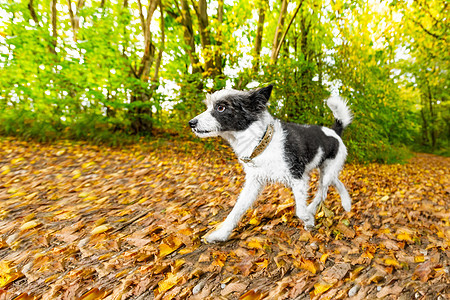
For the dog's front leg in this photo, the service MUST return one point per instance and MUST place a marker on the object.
(248, 195)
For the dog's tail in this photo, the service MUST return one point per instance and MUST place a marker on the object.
(341, 113)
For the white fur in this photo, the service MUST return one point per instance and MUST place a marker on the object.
(340, 109)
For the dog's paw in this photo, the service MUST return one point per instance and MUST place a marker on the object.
(216, 236)
(308, 220)
(347, 205)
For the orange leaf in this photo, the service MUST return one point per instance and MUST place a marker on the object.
(94, 294)
(8, 274)
(309, 265)
(252, 295)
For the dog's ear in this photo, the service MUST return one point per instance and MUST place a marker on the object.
(262, 94)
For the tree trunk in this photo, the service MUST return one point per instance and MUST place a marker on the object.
(155, 78)
(75, 18)
(140, 109)
(279, 29)
(259, 35)
(54, 31)
(205, 37)
(432, 118)
(148, 57)
(219, 38)
(188, 34)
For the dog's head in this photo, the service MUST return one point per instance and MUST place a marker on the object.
(230, 110)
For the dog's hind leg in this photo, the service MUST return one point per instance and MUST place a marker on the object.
(345, 197)
(329, 176)
(325, 180)
(300, 190)
(248, 195)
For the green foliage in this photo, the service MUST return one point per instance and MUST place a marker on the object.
(388, 59)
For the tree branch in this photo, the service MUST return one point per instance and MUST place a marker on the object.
(161, 48)
(33, 13)
(427, 31)
(277, 51)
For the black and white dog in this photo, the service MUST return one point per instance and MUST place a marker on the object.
(274, 151)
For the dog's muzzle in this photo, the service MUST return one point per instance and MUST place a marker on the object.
(193, 123)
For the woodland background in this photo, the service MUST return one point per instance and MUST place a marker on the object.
(114, 71)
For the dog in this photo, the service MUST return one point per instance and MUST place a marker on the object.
(271, 150)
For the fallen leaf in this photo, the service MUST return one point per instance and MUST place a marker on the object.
(390, 290)
(8, 274)
(336, 272)
(252, 295)
(345, 230)
(100, 229)
(29, 225)
(233, 287)
(94, 294)
(321, 287)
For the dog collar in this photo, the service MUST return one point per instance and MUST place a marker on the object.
(261, 146)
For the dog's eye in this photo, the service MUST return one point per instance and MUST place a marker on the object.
(220, 108)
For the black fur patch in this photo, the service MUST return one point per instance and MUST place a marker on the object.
(241, 109)
(338, 127)
(302, 144)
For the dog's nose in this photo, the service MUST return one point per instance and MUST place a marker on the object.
(193, 123)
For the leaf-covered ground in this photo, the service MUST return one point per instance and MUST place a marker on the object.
(87, 222)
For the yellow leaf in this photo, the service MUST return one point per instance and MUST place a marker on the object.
(309, 265)
(5, 170)
(90, 198)
(321, 287)
(404, 237)
(254, 243)
(166, 284)
(391, 262)
(30, 196)
(12, 190)
(19, 194)
(165, 249)
(29, 225)
(100, 229)
(17, 160)
(87, 165)
(83, 194)
(8, 274)
(419, 258)
(367, 254)
(254, 221)
(76, 174)
(142, 200)
(324, 257)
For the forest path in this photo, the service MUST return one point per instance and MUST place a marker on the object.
(87, 222)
